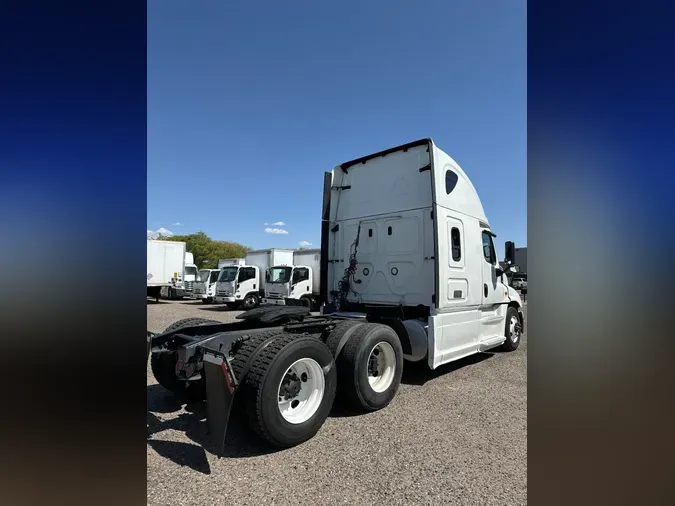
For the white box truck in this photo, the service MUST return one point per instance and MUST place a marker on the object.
(166, 267)
(190, 276)
(230, 261)
(205, 287)
(409, 272)
(298, 284)
(243, 286)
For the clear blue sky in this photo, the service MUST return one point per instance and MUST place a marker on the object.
(248, 105)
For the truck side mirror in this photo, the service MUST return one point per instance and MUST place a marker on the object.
(499, 271)
(509, 251)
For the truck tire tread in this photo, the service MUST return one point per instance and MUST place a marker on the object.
(255, 383)
(163, 364)
(336, 335)
(351, 391)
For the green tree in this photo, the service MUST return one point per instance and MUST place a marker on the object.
(208, 251)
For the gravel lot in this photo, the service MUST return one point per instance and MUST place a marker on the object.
(457, 435)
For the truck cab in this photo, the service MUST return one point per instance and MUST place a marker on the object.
(417, 254)
(238, 286)
(289, 282)
(190, 273)
(205, 287)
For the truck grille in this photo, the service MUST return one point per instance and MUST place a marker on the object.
(274, 296)
(224, 293)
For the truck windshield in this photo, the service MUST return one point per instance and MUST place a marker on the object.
(279, 274)
(190, 271)
(228, 274)
(204, 275)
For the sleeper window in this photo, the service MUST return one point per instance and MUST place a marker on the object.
(455, 244)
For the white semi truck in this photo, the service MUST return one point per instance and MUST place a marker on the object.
(166, 267)
(296, 284)
(243, 286)
(408, 272)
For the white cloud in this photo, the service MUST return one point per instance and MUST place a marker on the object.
(177, 224)
(276, 231)
(304, 243)
(154, 234)
(276, 223)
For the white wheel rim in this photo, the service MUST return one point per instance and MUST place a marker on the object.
(513, 329)
(381, 366)
(299, 405)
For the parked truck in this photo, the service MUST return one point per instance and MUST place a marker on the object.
(243, 286)
(205, 287)
(296, 284)
(408, 272)
(166, 265)
(190, 276)
(230, 261)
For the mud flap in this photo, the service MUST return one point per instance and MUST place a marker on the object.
(220, 387)
(149, 346)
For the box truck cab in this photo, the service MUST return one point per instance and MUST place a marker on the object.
(418, 254)
(296, 284)
(243, 286)
(238, 286)
(205, 287)
(190, 275)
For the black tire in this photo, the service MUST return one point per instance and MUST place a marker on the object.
(342, 329)
(307, 302)
(250, 301)
(353, 367)
(207, 300)
(246, 350)
(262, 388)
(163, 365)
(512, 341)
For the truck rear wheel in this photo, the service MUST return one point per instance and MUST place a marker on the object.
(163, 365)
(342, 330)
(370, 367)
(290, 390)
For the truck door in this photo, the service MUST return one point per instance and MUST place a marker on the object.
(493, 288)
(301, 284)
(247, 281)
(493, 291)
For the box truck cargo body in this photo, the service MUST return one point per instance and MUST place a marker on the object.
(230, 261)
(166, 266)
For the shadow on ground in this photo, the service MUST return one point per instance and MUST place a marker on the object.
(219, 309)
(239, 442)
(418, 373)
